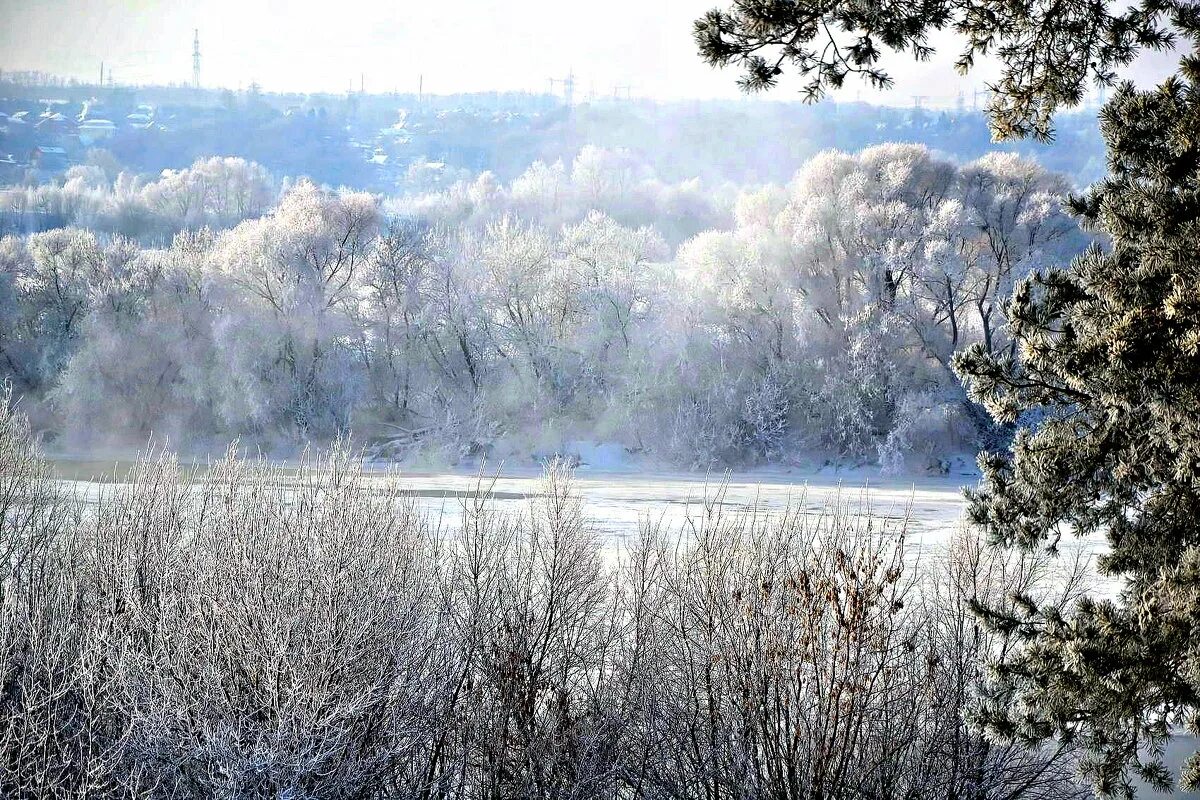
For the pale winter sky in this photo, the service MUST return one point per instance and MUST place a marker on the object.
(458, 45)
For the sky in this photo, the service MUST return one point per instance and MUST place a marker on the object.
(390, 45)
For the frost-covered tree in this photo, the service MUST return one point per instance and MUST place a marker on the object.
(1017, 208)
(603, 175)
(541, 190)
(1105, 391)
(146, 366)
(293, 281)
(612, 270)
(840, 301)
(529, 301)
(17, 336)
(397, 313)
(56, 280)
(213, 192)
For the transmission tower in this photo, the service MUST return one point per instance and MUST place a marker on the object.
(568, 84)
(196, 60)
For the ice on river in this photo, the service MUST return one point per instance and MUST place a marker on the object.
(616, 503)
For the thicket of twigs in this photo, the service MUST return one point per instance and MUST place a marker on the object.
(260, 634)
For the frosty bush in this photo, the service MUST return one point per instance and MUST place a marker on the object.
(926, 422)
(251, 631)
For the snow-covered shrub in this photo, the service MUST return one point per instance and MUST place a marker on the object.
(928, 427)
(256, 631)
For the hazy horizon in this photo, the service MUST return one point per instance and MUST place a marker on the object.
(386, 47)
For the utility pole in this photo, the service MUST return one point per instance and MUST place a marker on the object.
(101, 83)
(196, 59)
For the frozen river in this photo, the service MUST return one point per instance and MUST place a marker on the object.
(617, 503)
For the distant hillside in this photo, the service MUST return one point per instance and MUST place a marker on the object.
(398, 143)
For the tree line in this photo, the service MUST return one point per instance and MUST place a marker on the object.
(581, 301)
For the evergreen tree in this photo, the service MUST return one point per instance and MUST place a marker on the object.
(1104, 385)
(1105, 390)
